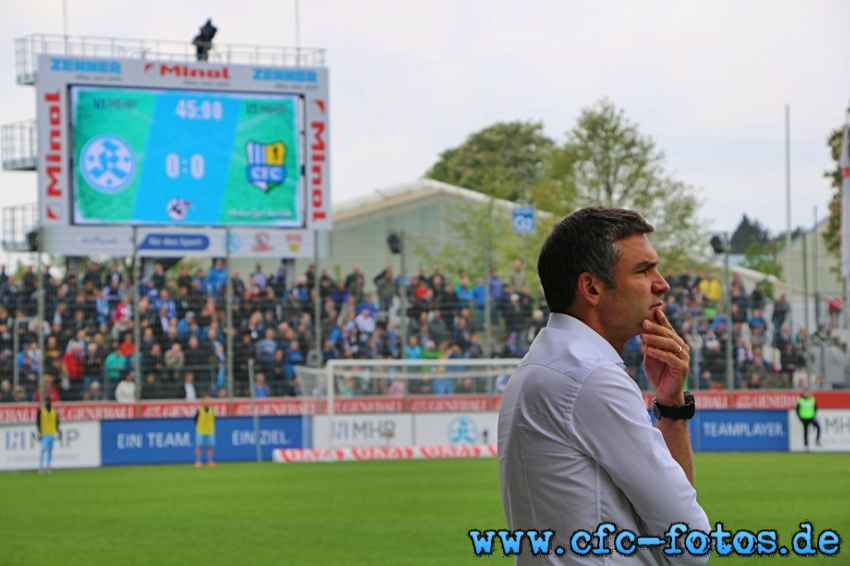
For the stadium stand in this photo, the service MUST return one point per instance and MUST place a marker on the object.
(89, 323)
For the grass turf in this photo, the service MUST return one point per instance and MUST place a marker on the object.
(405, 513)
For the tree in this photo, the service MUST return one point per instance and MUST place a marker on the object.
(748, 233)
(832, 234)
(501, 161)
(606, 160)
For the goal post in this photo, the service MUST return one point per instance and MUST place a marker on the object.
(388, 403)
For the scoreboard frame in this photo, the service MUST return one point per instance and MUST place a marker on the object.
(56, 76)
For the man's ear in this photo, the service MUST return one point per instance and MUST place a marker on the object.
(588, 289)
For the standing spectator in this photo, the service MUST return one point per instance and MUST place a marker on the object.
(205, 433)
(384, 289)
(73, 366)
(175, 361)
(47, 423)
(781, 308)
(807, 413)
(496, 286)
(757, 298)
(836, 306)
(710, 288)
(517, 277)
(216, 279)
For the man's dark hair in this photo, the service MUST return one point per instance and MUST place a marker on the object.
(584, 242)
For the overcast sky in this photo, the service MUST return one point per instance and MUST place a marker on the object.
(707, 80)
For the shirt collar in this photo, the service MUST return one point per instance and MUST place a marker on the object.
(565, 322)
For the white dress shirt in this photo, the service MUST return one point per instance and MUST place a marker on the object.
(577, 448)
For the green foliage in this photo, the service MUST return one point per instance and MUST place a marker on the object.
(832, 235)
(500, 161)
(474, 228)
(747, 233)
(606, 160)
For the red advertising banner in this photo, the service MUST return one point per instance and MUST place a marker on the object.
(448, 403)
(73, 411)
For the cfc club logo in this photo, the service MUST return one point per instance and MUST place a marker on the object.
(265, 167)
(108, 164)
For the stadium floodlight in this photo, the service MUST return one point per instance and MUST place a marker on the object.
(203, 41)
(718, 244)
(395, 243)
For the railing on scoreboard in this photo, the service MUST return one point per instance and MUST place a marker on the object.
(28, 48)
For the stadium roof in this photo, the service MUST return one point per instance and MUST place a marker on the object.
(406, 193)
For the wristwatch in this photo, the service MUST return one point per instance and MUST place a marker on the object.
(676, 412)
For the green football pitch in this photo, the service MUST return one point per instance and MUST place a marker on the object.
(403, 512)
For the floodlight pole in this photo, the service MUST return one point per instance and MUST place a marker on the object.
(137, 323)
(487, 297)
(402, 292)
(730, 373)
(789, 264)
(228, 304)
(41, 307)
(317, 300)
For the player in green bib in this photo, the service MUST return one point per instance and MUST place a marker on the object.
(806, 410)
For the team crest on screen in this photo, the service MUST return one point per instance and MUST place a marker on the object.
(265, 167)
(108, 164)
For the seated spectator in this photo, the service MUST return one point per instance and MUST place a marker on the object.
(47, 389)
(189, 392)
(19, 394)
(94, 392)
(6, 395)
(261, 388)
(125, 392)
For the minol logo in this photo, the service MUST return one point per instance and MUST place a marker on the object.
(84, 66)
(185, 71)
(284, 75)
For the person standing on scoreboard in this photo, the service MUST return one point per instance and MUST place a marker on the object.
(47, 421)
(576, 445)
(205, 432)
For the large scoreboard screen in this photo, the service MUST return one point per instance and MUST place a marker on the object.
(176, 158)
(145, 156)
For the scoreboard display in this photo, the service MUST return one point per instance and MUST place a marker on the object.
(164, 157)
(189, 157)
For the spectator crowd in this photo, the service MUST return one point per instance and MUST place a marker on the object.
(90, 351)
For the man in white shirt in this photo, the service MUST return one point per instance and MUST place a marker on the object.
(576, 445)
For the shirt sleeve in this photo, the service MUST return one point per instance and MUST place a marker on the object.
(612, 426)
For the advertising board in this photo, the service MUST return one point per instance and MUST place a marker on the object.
(739, 430)
(835, 431)
(160, 441)
(78, 446)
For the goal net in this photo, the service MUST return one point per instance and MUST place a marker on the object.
(358, 404)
